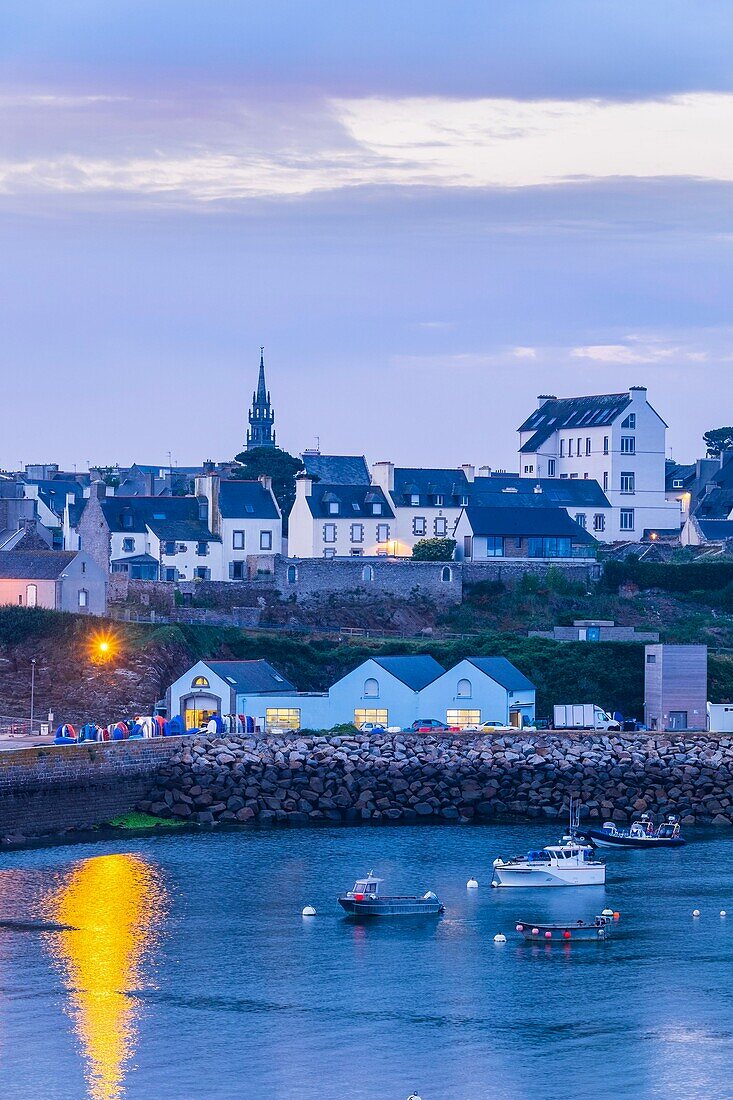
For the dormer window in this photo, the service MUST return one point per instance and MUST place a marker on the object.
(464, 501)
(333, 508)
(677, 483)
(415, 499)
(439, 500)
(376, 509)
(127, 519)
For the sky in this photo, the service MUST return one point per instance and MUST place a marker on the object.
(428, 212)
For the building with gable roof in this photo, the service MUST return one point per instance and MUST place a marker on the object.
(336, 469)
(57, 579)
(618, 440)
(331, 520)
(246, 517)
(426, 502)
(478, 690)
(490, 532)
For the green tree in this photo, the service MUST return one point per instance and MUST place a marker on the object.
(718, 440)
(434, 549)
(277, 464)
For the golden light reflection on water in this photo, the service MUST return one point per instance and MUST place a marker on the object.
(115, 904)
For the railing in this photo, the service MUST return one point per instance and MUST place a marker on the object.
(12, 726)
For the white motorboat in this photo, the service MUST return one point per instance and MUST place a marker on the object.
(568, 863)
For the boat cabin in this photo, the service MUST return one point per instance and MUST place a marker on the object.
(365, 889)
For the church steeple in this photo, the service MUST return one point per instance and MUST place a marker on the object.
(261, 431)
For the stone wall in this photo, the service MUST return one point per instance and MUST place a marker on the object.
(53, 788)
(401, 578)
(510, 571)
(407, 777)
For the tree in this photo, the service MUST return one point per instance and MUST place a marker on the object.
(718, 440)
(277, 464)
(434, 550)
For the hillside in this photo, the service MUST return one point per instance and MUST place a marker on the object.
(71, 681)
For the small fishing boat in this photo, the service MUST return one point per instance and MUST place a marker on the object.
(597, 929)
(570, 862)
(365, 900)
(641, 834)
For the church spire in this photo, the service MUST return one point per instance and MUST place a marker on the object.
(261, 417)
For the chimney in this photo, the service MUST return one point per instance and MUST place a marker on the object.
(266, 482)
(383, 475)
(303, 486)
(637, 393)
(207, 486)
(209, 466)
(543, 397)
(469, 471)
(99, 489)
(484, 471)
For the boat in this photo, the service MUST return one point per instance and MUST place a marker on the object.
(366, 900)
(597, 929)
(570, 862)
(641, 834)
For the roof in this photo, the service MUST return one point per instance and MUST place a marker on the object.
(503, 672)
(543, 522)
(137, 559)
(251, 677)
(716, 529)
(355, 501)
(499, 492)
(682, 472)
(168, 517)
(37, 565)
(246, 499)
(572, 412)
(415, 672)
(452, 485)
(337, 469)
(53, 493)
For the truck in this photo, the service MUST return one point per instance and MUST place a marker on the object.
(582, 716)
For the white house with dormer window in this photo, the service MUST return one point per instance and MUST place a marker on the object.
(335, 520)
(426, 502)
(618, 440)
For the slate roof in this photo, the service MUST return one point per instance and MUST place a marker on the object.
(415, 672)
(169, 517)
(676, 471)
(53, 493)
(502, 672)
(571, 412)
(355, 501)
(37, 565)
(556, 492)
(137, 559)
(527, 522)
(452, 485)
(337, 469)
(251, 677)
(246, 500)
(714, 530)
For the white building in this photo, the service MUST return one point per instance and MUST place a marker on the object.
(481, 689)
(618, 440)
(159, 538)
(426, 503)
(336, 520)
(246, 517)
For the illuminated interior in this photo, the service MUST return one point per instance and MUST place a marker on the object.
(115, 904)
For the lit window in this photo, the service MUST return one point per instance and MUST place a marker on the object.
(462, 718)
(376, 717)
(285, 717)
(200, 682)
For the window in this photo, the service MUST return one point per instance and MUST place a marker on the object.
(581, 520)
(677, 483)
(127, 519)
(605, 481)
(376, 509)
(467, 546)
(605, 444)
(202, 549)
(549, 547)
(414, 499)
(283, 717)
(128, 545)
(441, 527)
(628, 483)
(265, 540)
(292, 574)
(580, 445)
(570, 448)
(357, 532)
(463, 690)
(562, 448)
(329, 532)
(382, 532)
(529, 469)
(573, 477)
(367, 574)
(202, 573)
(627, 519)
(418, 525)
(446, 574)
(237, 540)
(494, 546)
(83, 567)
(371, 688)
(587, 446)
(356, 552)
(518, 543)
(20, 601)
(462, 718)
(31, 595)
(200, 682)
(464, 501)
(170, 574)
(83, 597)
(628, 445)
(599, 522)
(651, 658)
(169, 547)
(237, 570)
(630, 421)
(551, 464)
(439, 500)
(376, 717)
(329, 552)
(333, 508)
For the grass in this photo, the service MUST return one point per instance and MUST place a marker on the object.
(137, 820)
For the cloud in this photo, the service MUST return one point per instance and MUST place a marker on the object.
(525, 353)
(224, 149)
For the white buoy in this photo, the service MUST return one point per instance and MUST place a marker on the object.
(414, 1096)
(500, 938)
(696, 912)
(607, 913)
(723, 913)
(472, 884)
(309, 911)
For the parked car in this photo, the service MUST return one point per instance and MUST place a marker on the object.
(427, 725)
(371, 727)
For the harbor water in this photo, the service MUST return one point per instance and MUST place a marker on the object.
(180, 967)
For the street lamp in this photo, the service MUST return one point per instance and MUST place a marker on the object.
(33, 689)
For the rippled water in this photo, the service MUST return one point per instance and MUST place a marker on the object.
(190, 973)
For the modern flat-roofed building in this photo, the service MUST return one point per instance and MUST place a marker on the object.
(675, 687)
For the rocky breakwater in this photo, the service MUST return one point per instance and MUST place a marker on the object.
(406, 777)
